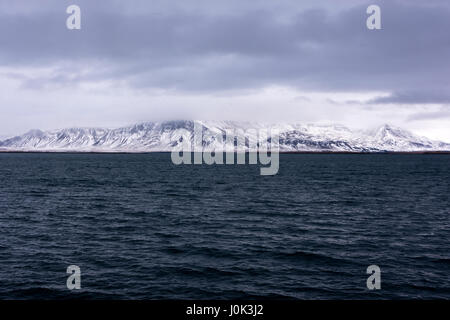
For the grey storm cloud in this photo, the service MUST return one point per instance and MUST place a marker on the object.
(219, 45)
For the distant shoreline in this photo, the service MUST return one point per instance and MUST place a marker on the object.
(281, 152)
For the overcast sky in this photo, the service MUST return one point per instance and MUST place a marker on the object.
(283, 60)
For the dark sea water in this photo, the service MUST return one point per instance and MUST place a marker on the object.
(140, 227)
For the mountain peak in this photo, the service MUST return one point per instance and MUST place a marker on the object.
(35, 132)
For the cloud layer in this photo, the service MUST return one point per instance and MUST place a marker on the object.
(228, 48)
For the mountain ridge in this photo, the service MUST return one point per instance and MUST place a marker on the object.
(167, 136)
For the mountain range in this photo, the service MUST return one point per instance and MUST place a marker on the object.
(168, 135)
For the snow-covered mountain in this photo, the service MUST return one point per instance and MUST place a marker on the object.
(169, 135)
